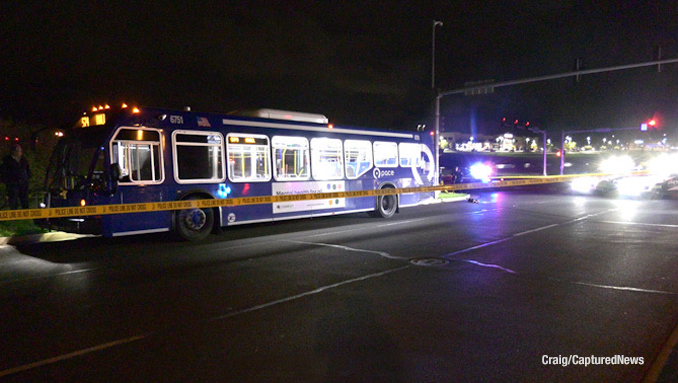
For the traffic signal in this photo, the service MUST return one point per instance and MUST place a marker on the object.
(651, 124)
(515, 123)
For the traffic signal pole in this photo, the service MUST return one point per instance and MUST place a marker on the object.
(482, 88)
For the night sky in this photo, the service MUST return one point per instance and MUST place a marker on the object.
(361, 63)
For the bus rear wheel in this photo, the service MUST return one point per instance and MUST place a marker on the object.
(194, 224)
(387, 205)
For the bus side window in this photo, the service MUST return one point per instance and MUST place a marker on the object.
(327, 160)
(249, 157)
(410, 154)
(198, 157)
(291, 158)
(385, 154)
(358, 155)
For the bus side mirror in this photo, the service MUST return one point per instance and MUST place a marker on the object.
(114, 174)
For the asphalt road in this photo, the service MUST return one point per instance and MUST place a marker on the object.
(509, 289)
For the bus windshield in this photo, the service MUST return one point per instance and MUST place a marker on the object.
(74, 158)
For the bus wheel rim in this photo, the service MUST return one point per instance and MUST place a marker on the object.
(195, 219)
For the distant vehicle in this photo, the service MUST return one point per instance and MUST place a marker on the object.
(668, 187)
(449, 176)
(644, 186)
(475, 173)
(147, 155)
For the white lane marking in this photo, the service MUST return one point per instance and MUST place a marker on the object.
(639, 224)
(486, 244)
(61, 274)
(71, 355)
(135, 338)
(488, 265)
(535, 230)
(306, 294)
(622, 288)
(380, 253)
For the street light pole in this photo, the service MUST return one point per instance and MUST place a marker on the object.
(437, 100)
(433, 54)
(437, 140)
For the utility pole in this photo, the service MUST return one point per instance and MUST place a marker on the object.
(437, 97)
(433, 54)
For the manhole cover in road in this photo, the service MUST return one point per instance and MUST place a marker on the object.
(429, 262)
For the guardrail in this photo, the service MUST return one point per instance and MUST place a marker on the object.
(77, 211)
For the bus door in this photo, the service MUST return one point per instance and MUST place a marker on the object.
(138, 152)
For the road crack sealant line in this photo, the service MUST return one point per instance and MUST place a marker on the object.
(97, 210)
(171, 328)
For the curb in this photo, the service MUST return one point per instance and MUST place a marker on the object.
(464, 197)
(457, 199)
(54, 236)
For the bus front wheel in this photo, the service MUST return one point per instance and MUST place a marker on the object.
(194, 224)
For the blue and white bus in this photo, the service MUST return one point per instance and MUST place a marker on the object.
(145, 155)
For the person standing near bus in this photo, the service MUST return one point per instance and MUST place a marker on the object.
(16, 172)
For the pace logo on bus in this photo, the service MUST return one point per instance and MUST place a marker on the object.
(379, 173)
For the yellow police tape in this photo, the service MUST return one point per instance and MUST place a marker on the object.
(76, 211)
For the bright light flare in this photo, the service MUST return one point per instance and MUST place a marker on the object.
(664, 164)
(618, 164)
(481, 171)
(629, 186)
(637, 186)
(627, 208)
(584, 185)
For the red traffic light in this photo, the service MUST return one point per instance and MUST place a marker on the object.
(648, 125)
